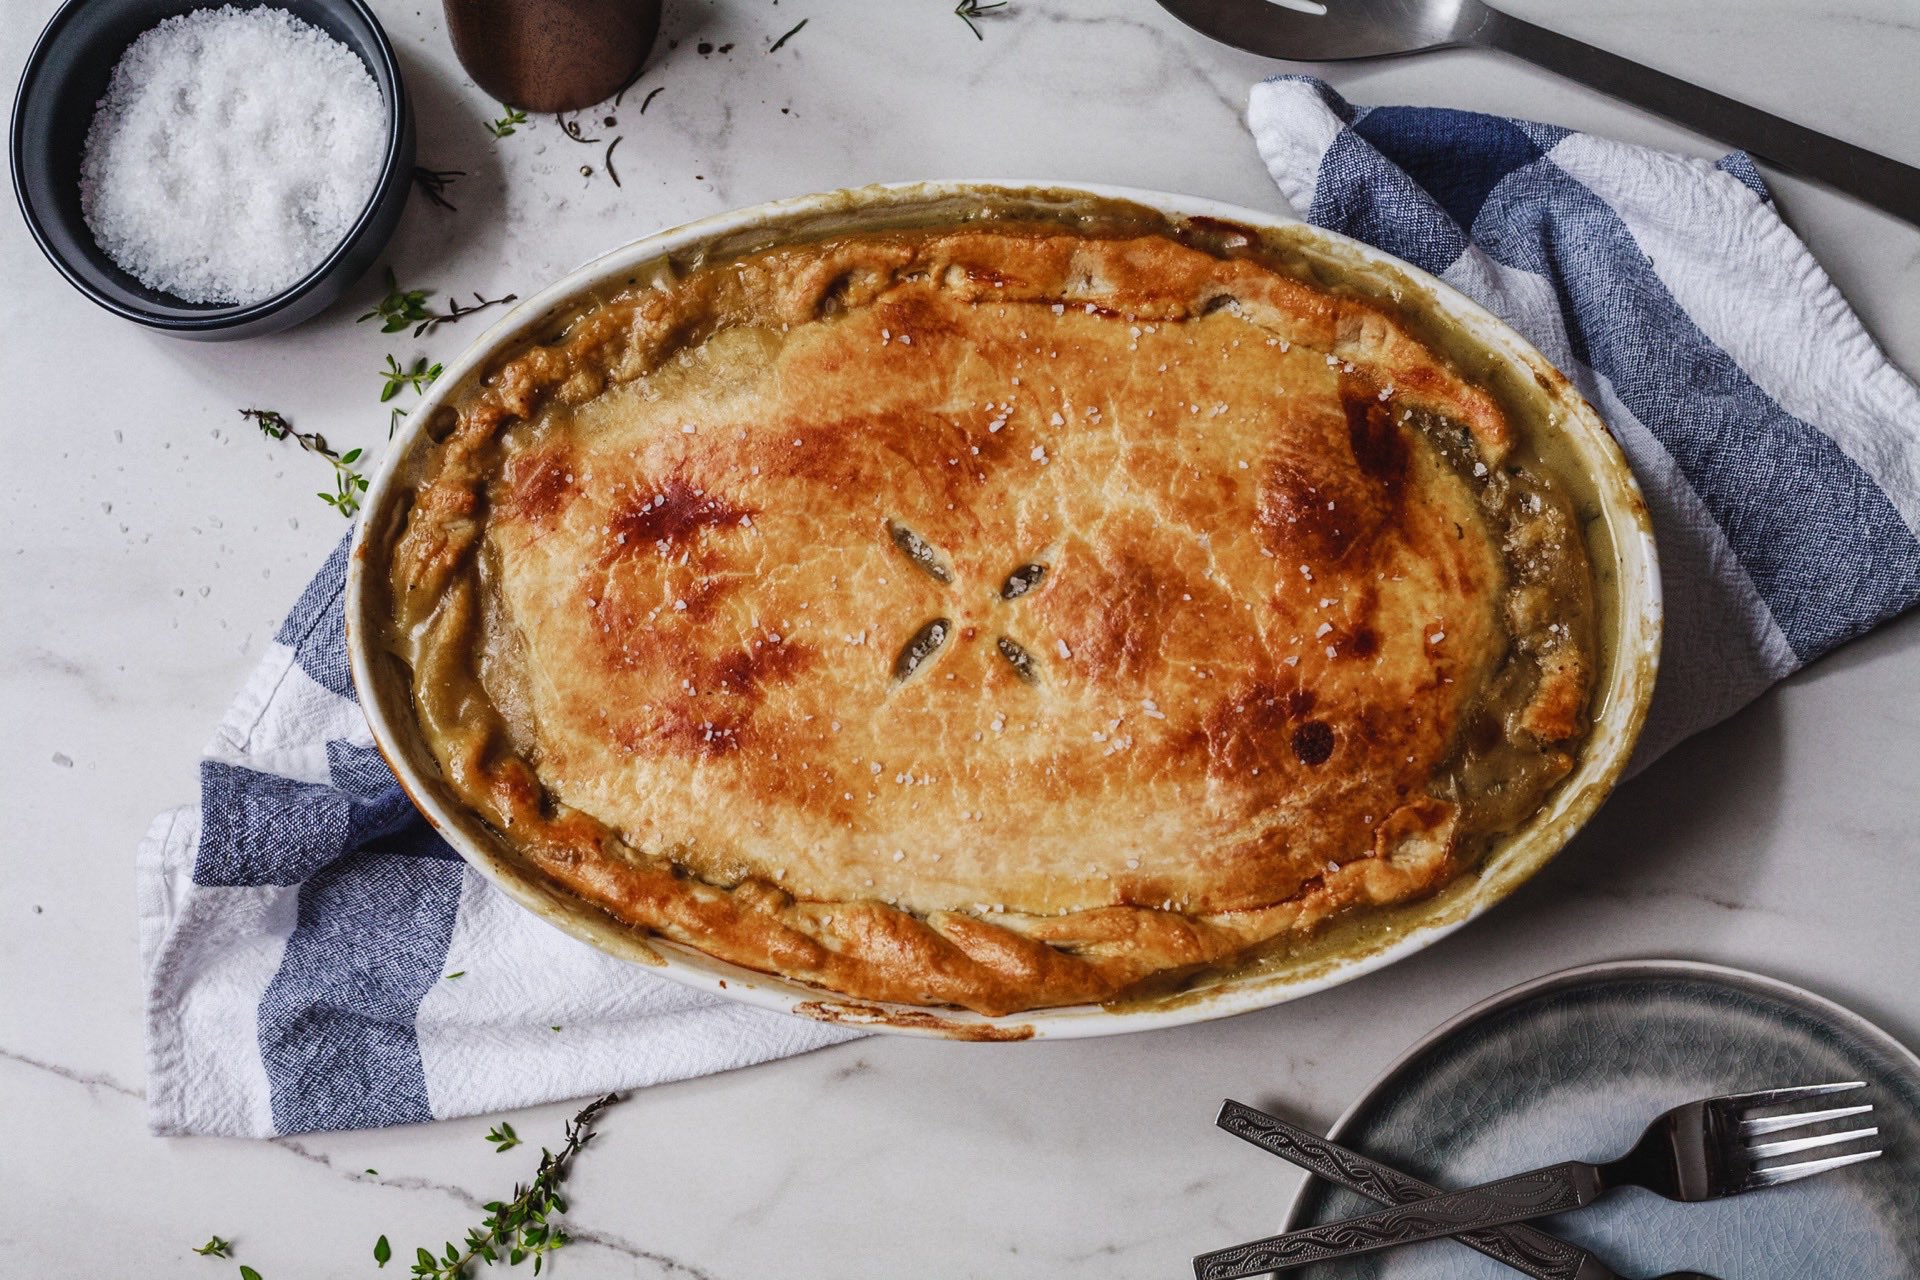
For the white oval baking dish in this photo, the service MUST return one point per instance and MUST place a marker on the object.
(1620, 539)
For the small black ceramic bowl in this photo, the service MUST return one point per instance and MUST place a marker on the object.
(67, 74)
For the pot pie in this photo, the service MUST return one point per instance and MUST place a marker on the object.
(999, 614)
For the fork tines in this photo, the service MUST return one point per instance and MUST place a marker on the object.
(1752, 1127)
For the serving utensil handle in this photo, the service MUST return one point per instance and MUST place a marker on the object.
(1555, 1189)
(1879, 180)
(1526, 1250)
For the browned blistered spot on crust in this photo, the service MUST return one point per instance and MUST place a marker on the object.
(666, 519)
(1376, 440)
(734, 685)
(1113, 614)
(916, 317)
(700, 732)
(868, 1015)
(1247, 731)
(1321, 498)
(746, 672)
(1313, 742)
(540, 483)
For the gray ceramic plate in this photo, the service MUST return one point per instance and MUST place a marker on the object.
(1576, 1063)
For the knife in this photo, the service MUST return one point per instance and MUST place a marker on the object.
(1532, 1252)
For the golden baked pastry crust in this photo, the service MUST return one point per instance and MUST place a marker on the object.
(995, 616)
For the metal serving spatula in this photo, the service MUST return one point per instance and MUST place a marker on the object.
(1337, 30)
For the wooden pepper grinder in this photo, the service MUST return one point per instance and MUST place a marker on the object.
(552, 55)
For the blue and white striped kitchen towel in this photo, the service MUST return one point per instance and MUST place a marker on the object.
(298, 924)
(1778, 448)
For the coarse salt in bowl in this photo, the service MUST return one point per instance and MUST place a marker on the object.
(233, 149)
(299, 235)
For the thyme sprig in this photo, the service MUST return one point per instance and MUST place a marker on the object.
(348, 483)
(433, 184)
(215, 1247)
(419, 375)
(505, 125)
(400, 308)
(503, 1137)
(522, 1227)
(456, 309)
(968, 10)
(403, 307)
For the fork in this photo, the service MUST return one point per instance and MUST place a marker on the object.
(1526, 1250)
(1701, 1150)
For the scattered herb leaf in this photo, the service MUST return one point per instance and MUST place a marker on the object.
(648, 100)
(400, 308)
(503, 1138)
(521, 1227)
(393, 420)
(382, 1251)
(419, 376)
(348, 483)
(505, 125)
(433, 184)
(248, 1273)
(775, 46)
(403, 307)
(968, 10)
(215, 1247)
(457, 973)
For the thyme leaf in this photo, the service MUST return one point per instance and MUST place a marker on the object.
(215, 1247)
(503, 1138)
(419, 375)
(348, 485)
(505, 125)
(400, 308)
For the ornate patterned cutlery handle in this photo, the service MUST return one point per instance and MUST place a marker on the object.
(1526, 1250)
(1554, 1189)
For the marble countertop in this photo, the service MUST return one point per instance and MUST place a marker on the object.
(153, 540)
